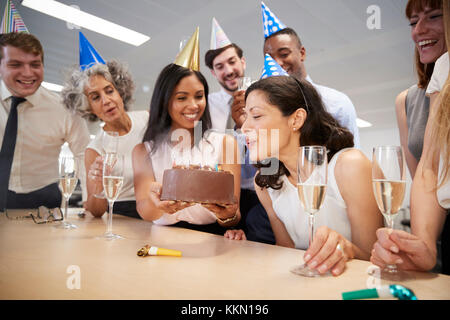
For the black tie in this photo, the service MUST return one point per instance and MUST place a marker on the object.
(7, 151)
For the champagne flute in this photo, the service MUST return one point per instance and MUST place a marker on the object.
(110, 143)
(389, 184)
(312, 166)
(112, 183)
(68, 179)
(244, 83)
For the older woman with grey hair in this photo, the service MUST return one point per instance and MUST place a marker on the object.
(104, 92)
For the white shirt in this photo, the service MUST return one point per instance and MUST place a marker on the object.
(440, 74)
(219, 108)
(437, 81)
(44, 124)
(341, 108)
(162, 160)
(289, 210)
(126, 143)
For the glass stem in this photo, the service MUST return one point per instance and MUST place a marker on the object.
(390, 222)
(110, 213)
(66, 205)
(311, 228)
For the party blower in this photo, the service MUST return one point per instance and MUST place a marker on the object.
(155, 251)
(388, 291)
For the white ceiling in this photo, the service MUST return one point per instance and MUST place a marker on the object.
(370, 66)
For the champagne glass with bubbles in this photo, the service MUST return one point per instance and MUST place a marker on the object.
(312, 170)
(68, 179)
(110, 143)
(389, 184)
(112, 184)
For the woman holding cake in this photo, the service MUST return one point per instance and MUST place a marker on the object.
(179, 108)
(100, 90)
(349, 217)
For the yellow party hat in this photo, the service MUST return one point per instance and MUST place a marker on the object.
(189, 57)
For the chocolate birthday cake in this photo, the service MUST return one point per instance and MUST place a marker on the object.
(197, 185)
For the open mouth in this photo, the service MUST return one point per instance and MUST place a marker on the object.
(424, 44)
(27, 83)
(191, 116)
(110, 111)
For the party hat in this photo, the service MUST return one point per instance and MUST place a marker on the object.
(12, 21)
(189, 57)
(271, 23)
(218, 37)
(88, 55)
(272, 68)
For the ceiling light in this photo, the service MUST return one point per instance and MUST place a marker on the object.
(52, 86)
(362, 123)
(86, 20)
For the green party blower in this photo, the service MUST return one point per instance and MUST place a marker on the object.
(393, 290)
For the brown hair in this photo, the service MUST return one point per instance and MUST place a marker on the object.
(320, 127)
(424, 71)
(24, 41)
(210, 55)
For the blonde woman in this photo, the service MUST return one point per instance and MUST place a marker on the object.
(430, 194)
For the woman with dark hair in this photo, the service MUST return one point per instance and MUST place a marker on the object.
(349, 217)
(178, 114)
(412, 105)
(105, 92)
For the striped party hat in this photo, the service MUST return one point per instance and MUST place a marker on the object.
(218, 37)
(12, 21)
(272, 68)
(271, 23)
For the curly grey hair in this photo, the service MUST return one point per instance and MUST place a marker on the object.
(73, 96)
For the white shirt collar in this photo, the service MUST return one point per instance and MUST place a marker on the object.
(6, 93)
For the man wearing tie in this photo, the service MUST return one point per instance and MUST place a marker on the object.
(227, 65)
(33, 127)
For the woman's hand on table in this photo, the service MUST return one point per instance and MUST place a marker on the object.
(235, 234)
(328, 252)
(403, 249)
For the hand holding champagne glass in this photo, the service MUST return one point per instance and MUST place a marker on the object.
(68, 179)
(389, 184)
(312, 170)
(112, 183)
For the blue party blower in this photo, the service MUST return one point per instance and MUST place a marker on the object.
(393, 290)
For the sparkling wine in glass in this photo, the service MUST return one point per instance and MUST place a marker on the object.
(68, 179)
(112, 184)
(312, 170)
(110, 143)
(389, 184)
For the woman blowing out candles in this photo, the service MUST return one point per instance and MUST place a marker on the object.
(349, 215)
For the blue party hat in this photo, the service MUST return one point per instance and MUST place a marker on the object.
(88, 55)
(272, 68)
(271, 23)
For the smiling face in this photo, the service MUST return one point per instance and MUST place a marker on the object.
(427, 32)
(187, 104)
(104, 99)
(228, 68)
(22, 72)
(268, 133)
(288, 53)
